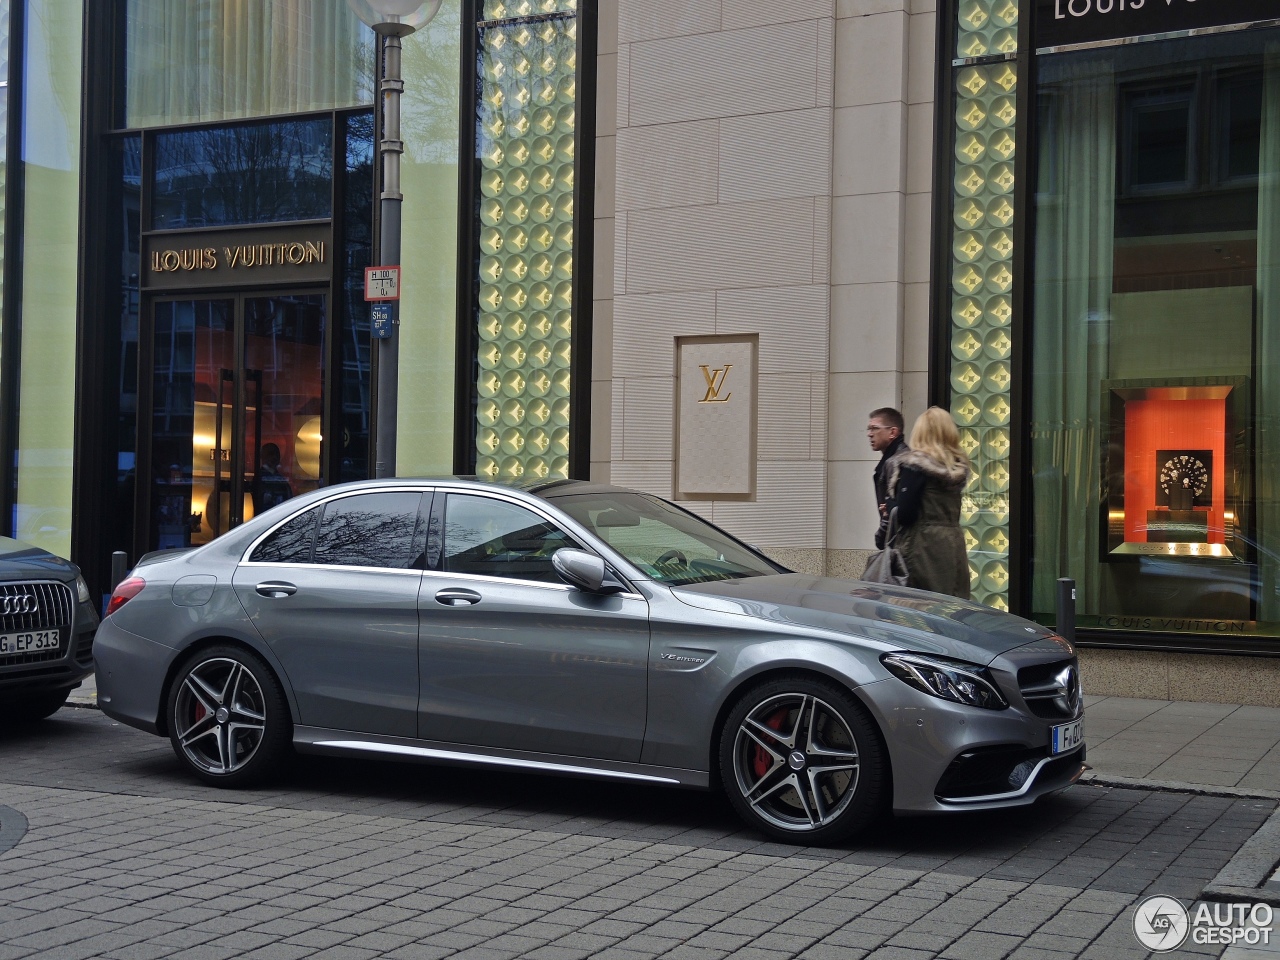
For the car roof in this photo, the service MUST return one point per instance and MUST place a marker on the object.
(547, 489)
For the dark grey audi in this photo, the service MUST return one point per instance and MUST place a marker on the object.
(582, 629)
(47, 625)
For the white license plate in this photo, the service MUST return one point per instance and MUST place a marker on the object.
(31, 642)
(1065, 737)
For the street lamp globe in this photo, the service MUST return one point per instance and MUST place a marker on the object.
(395, 18)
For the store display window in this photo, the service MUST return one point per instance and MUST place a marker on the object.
(1155, 335)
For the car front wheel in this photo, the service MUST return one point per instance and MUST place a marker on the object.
(227, 716)
(801, 761)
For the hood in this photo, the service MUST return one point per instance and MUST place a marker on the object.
(947, 474)
(22, 561)
(898, 618)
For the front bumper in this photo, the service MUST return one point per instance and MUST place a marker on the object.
(947, 756)
(998, 776)
(41, 676)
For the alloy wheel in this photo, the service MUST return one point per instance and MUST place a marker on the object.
(796, 762)
(220, 716)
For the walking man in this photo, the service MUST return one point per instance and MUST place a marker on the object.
(884, 431)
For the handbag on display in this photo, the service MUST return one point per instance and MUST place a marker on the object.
(887, 565)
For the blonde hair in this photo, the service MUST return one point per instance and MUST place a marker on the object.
(934, 433)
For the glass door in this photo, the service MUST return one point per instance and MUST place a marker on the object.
(237, 410)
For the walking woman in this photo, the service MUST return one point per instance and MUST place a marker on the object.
(927, 482)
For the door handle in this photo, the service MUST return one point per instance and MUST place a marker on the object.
(276, 589)
(457, 596)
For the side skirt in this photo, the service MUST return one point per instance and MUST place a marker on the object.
(345, 743)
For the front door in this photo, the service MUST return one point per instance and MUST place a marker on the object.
(510, 656)
(236, 410)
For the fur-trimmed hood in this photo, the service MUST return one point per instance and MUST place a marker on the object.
(953, 475)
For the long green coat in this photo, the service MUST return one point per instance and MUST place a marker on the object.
(933, 546)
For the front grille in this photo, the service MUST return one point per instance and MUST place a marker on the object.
(36, 605)
(1051, 690)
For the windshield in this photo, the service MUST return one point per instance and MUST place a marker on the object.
(667, 544)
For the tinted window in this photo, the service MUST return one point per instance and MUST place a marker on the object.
(370, 530)
(290, 543)
(498, 539)
(250, 173)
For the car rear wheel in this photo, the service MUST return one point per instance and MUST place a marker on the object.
(227, 716)
(33, 706)
(802, 761)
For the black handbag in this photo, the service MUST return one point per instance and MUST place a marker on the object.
(887, 565)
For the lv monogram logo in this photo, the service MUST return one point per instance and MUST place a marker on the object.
(715, 382)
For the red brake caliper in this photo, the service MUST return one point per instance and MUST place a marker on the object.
(760, 759)
(201, 712)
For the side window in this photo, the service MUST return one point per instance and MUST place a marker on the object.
(369, 530)
(290, 543)
(494, 538)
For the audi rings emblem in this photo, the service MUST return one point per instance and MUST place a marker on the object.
(24, 603)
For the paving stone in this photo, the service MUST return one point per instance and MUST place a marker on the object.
(359, 859)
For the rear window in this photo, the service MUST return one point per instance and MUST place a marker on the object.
(290, 543)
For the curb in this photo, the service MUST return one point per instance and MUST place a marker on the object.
(13, 826)
(1174, 786)
(1247, 875)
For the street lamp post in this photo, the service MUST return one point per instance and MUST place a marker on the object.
(391, 20)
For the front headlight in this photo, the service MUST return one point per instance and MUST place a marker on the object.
(82, 590)
(952, 680)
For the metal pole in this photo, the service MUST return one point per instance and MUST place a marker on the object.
(1067, 609)
(390, 147)
(119, 567)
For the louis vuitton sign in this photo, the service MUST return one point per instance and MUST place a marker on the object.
(1063, 22)
(715, 417)
(292, 254)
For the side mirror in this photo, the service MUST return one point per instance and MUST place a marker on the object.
(584, 570)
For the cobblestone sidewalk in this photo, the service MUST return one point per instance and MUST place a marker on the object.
(346, 861)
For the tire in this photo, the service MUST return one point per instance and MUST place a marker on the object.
(31, 707)
(802, 761)
(227, 716)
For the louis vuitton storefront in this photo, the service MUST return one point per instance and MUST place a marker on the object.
(1109, 312)
(191, 202)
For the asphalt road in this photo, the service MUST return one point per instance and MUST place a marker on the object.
(119, 854)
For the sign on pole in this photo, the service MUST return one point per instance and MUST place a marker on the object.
(382, 316)
(382, 283)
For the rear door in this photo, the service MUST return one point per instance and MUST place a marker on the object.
(335, 593)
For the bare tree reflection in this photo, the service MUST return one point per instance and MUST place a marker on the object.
(249, 173)
(291, 543)
(369, 531)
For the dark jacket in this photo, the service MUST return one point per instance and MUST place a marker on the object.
(926, 494)
(881, 480)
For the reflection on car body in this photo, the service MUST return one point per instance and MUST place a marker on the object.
(577, 628)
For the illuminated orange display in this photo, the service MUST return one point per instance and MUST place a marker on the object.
(1167, 424)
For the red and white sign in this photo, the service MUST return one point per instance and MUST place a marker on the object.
(382, 283)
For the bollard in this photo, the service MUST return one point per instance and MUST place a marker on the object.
(1066, 623)
(119, 567)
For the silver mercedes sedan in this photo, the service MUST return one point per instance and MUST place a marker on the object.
(576, 628)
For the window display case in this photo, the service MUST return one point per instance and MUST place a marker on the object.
(1176, 468)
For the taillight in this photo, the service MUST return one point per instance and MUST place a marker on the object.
(127, 590)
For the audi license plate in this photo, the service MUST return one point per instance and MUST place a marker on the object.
(1065, 737)
(31, 642)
